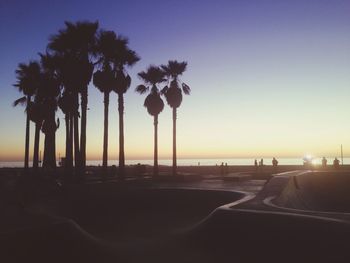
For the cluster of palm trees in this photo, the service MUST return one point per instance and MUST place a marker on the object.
(153, 77)
(77, 54)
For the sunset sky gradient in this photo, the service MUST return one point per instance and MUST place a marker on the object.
(268, 78)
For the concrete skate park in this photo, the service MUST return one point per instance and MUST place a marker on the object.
(298, 216)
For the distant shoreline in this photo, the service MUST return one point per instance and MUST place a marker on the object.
(196, 162)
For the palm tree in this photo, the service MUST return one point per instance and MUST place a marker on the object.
(105, 82)
(66, 104)
(75, 44)
(104, 79)
(173, 95)
(153, 102)
(28, 79)
(35, 111)
(122, 57)
(63, 67)
(50, 91)
(69, 68)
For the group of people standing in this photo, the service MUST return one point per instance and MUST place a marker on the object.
(261, 162)
(336, 162)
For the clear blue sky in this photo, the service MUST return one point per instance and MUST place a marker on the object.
(268, 78)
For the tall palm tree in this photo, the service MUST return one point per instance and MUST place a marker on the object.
(173, 95)
(69, 68)
(153, 102)
(50, 91)
(36, 115)
(63, 67)
(28, 80)
(66, 104)
(105, 82)
(76, 43)
(123, 57)
(104, 79)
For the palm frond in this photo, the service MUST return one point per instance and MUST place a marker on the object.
(153, 75)
(186, 89)
(128, 80)
(141, 89)
(174, 68)
(143, 75)
(164, 90)
(21, 101)
(131, 57)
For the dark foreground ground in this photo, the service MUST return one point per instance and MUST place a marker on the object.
(201, 216)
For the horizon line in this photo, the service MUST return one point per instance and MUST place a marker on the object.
(193, 158)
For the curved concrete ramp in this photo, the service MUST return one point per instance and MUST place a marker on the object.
(317, 191)
(258, 236)
(59, 242)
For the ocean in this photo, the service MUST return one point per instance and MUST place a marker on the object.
(196, 162)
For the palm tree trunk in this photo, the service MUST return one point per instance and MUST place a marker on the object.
(155, 165)
(174, 142)
(71, 132)
(84, 101)
(76, 143)
(49, 150)
(75, 138)
(36, 145)
(26, 149)
(68, 165)
(66, 120)
(50, 143)
(105, 132)
(121, 135)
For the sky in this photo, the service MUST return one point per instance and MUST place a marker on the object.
(268, 78)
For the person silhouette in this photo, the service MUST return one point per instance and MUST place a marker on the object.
(261, 165)
(256, 164)
(336, 163)
(324, 162)
(274, 163)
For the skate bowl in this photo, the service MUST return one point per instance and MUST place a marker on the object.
(109, 223)
(102, 223)
(240, 235)
(316, 191)
(306, 220)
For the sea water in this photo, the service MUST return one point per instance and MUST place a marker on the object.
(196, 162)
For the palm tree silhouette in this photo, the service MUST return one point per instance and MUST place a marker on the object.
(113, 56)
(105, 81)
(66, 104)
(122, 57)
(153, 102)
(68, 68)
(173, 95)
(28, 81)
(50, 91)
(36, 111)
(75, 44)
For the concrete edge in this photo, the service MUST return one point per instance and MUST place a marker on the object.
(269, 202)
